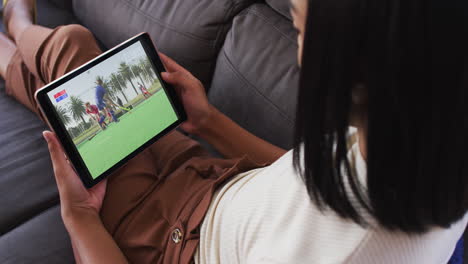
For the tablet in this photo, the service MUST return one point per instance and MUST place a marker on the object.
(112, 108)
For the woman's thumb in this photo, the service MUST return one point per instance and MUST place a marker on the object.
(56, 153)
(176, 78)
(167, 77)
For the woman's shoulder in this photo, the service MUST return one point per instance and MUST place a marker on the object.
(274, 202)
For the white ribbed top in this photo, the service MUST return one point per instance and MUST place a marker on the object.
(266, 216)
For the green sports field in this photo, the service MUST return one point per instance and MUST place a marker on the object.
(134, 129)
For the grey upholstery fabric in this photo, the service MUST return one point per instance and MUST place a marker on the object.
(27, 186)
(43, 239)
(31, 230)
(280, 6)
(255, 82)
(190, 31)
(62, 8)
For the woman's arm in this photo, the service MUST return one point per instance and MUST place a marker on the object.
(233, 141)
(80, 212)
(75, 252)
(205, 121)
(91, 241)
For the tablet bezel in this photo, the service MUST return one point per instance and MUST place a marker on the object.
(58, 127)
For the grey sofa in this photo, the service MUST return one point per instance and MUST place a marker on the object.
(244, 51)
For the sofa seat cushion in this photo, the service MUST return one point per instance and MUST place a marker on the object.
(256, 77)
(42, 239)
(27, 185)
(53, 13)
(31, 230)
(190, 31)
(63, 5)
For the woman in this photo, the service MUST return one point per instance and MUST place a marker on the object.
(392, 191)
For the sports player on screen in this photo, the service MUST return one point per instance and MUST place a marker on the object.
(102, 120)
(94, 112)
(103, 101)
(145, 91)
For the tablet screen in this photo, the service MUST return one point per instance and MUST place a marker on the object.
(113, 108)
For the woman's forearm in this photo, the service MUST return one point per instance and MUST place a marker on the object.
(76, 253)
(233, 141)
(91, 242)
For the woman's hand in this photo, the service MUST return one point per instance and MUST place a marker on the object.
(204, 120)
(192, 94)
(75, 199)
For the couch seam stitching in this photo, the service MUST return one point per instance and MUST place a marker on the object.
(49, 206)
(257, 14)
(256, 90)
(165, 25)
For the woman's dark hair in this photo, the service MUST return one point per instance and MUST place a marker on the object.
(411, 57)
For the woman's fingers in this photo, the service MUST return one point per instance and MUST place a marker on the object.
(178, 79)
(73, 194)
(170, 64)
(57, 155)
(62, 168)
(178, 76)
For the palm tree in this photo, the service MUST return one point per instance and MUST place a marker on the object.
(77, 108)
(143, 64)
(125, 71)
(138, 72)
(114, 78)
(63, 115)
(147, 66)
(111, 92)
(145, 72)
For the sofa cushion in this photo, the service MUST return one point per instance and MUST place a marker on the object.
(53, 13)
(281, 6)
(256, 77)
(61, 5)
(27, 185)
(31, 229)
(190, 31)
(43, 239)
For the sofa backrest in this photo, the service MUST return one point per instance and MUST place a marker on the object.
(256, 76)
(280, 6)
(190, 31)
